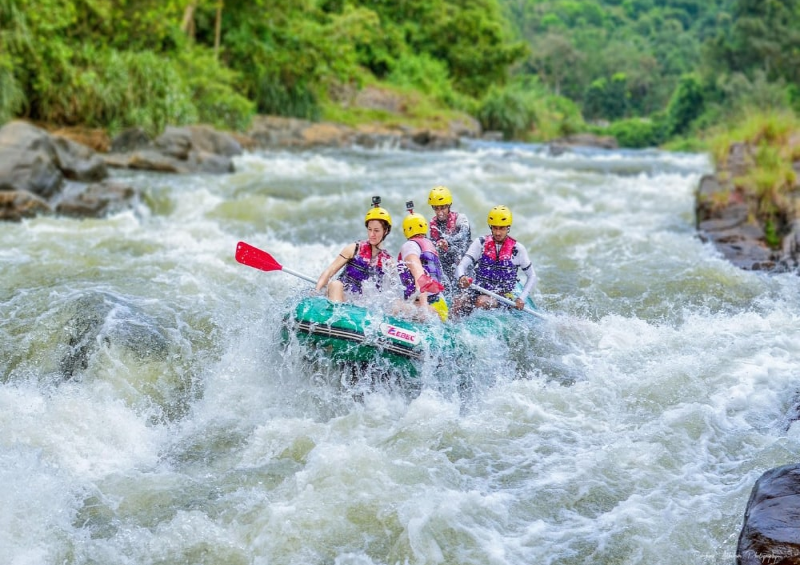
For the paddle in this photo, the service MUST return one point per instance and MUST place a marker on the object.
(254, 257)
(505, 300)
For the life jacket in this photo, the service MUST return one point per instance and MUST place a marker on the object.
(360, 267)
(429, 258)
(496, 271)
(450, 226)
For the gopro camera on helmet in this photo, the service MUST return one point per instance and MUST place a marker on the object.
(376, 201)
(410, 205)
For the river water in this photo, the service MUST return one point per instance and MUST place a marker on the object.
(152, 414)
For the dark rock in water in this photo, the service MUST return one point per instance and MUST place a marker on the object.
(79, 162)
(129, 140)
(33, 167)
(28, 160)
(103, 318)
(16, 205)
(96, 200)
(771, 530)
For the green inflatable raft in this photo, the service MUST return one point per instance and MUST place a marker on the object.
(347, 333)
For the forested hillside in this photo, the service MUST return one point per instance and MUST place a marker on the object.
(646, 71)
(115, 63)
(684, 64)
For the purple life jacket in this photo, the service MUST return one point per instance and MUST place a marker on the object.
(360, 268)
(496, 272)
(429, 258)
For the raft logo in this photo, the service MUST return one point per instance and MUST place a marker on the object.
(402, 334)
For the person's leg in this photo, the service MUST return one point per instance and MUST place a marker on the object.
(485, 302)
(463, 304)
(336, 291)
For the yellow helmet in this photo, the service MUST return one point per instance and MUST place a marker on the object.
(440, 196)
(378, 213)
(499, 216)
(414, 224)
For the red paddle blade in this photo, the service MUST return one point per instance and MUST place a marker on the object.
(254, 257)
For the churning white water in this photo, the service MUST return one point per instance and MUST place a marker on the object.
(151, 412)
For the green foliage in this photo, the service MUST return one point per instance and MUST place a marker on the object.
(608, 98)
(12, 99)
(471, 38)
(274, 96)
(659, 69)
(424, 73)
(762, 35)
(771, 235)
(94, 88)
(771, 151)
(652, 43)
(639, 132)
(525, 110)
(213, 91)
(686, 104)
(556, 116)
(509, 110)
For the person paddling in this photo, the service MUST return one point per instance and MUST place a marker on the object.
(449, 230)
(419, 266)
(363, 261)
(496, 259)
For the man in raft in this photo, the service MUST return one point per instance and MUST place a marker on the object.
(496, 259)
(449, 230)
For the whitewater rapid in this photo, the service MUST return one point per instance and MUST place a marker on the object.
(152, 413)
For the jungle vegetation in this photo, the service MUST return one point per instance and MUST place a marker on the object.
(649, 72)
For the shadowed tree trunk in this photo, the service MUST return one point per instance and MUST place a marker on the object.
(187, 25)
(218, 28)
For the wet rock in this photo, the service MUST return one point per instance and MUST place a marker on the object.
(96, 200)
(16, 205)
(100, 318)
(276, 131)
(466, 127)
(212, 163)
(28, 160)
(179, 150)
(174, 143)
(725, 217)
(34, 167)
(79, 162)
(129, 140)
(152, 160)
(770, 533)
(205, 139)
(588, 140)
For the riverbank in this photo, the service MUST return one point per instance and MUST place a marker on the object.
(749, 208)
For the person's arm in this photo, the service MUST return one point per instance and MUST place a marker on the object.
(459, 240)
(470, 257)
(521, 259)
(341, 259)
(414, 266)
